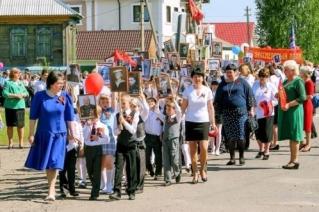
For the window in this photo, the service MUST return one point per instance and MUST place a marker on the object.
(137, 14)
(175, 9)
(44, 42)
(78, 9)
(168, 14)
(18, 42)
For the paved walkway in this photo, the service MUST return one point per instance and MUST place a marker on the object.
(257, 186)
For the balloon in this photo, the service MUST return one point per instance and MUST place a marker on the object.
(1, 65)
(236, 50)
(94, 84)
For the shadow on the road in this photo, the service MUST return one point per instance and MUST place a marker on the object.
(222, 167)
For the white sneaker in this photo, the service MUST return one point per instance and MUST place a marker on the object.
(217, 153)
(213, 153)
(104, 191)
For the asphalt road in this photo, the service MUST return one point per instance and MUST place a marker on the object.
(257, 186)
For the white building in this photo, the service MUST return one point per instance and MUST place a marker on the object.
(125, 15)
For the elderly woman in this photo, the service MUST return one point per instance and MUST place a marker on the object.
(306, 73)
(265, 93)
(14, 93)
(234, 100)
(291, 116)
(198, 106)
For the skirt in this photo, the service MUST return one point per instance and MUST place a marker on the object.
(234, 124)
(196, 131)
(276, 115)
(47, 151)
(14, 117)
(264, 133)
(109, 148)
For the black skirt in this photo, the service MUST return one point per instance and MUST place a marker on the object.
(196, 131)
(276, 115)
(264, 133)
(14, 117)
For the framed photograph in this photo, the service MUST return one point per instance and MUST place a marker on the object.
(184, 82)
(87, 107)
(217, 49)
(174, 74)
(174, 85)
(164, 64)
(183, 50)
(73, 73)
(146, 68)
(104, 71)
(213, 64)
(169, 46)
(163, 85)
(207, 39)
(134, 81)
(139, 62)
(173, 60)
(191, 40)
(118, 77)
(277, 59)
(144, 54)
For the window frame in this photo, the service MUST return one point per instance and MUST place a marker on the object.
(37, 42)
(145, 9)
(168, 19)
(25, 34)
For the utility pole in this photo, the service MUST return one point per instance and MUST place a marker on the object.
(247, 14)
(158, 52)
(142, 27)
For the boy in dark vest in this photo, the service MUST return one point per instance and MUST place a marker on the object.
(171, 145)
(125, 127)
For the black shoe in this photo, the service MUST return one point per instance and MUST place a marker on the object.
(231, 163)
(131, 196)
(63, 195)
(82, 185)
(242, 161)
(178, 178)
(167, 183)
(74, 194)
(275, 147)
(116, 196)
(291, 166)
(259, 155)
(139, 191)
(266, 157)
(188, 170)
(152, 173)
(155, 178)
(93, 198)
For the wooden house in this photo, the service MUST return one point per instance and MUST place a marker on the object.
(32, 31)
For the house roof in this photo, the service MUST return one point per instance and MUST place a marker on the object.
(234, 32)
(98, 45)
(36, 8)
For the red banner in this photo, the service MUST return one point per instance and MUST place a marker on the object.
(196, 13)
(267, 54)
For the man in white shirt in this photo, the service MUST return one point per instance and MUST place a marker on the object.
(42, 83)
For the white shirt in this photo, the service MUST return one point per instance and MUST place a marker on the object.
(197, 110)
(102, 139)
(39, 86)
(250, 79)
(265, 96)
(132, 128)
(153, 123)
(275, 80)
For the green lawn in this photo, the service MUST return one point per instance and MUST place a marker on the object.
(3, 132)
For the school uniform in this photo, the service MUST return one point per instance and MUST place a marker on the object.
(126, 153)
(171, 145)
(93, 153)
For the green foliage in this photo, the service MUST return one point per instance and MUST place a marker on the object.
(275, 18)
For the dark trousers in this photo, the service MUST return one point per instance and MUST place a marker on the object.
(93, 157)
(140, 167)
(153, 143)
(247, 137)
(69, 170)
(129, 158)
(232, 147)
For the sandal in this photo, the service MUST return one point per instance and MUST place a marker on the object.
(291, 165)
(305, 149)
(50, 198)
(302, 146)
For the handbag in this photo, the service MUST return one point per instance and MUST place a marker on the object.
(315, 101)
(252, 124)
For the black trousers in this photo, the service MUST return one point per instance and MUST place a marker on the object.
(153, 143)
(247, 137)
(69, 170)
(93, 157)
(129, 158)
(140, 167)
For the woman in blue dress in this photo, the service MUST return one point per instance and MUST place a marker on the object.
(53, 110)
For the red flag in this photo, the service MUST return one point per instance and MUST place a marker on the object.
(123, 56)
(117, 55)
(196, 13)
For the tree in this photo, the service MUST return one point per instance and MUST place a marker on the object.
(276, 17)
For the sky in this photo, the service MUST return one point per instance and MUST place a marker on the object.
(228, 10)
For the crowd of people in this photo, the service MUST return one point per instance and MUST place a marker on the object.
(135, 136)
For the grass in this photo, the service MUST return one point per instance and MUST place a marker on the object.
(3, 132)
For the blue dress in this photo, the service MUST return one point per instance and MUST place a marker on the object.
(52, 113)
